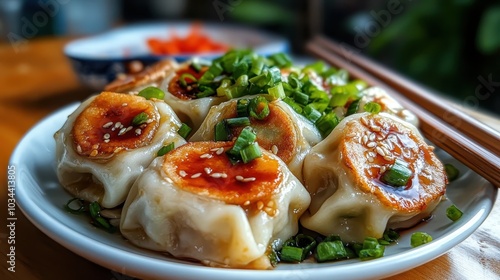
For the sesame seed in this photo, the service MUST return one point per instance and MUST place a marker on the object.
(122, 131)
(388, 158)
(118, 124)
(183, 173)
(372, 154)
(149, 121)
(107, 125)
(95, 146)
(208, 170)
(79, 149)
(106, 136)
(249, 179)
(370, 159)
(260, 205)
(214, 149)
(138, 131)
(117, 150)
(218, 175)
(128, 129)
(365, 139)
(372, 137)
(124, 104)
(94, 153)
(270, 203)
(274, 149)
(220, 151)
(196, 175)
(383, 168)
(246, 203)
(169, 180)
(371, 144)
(375, 128)
(239, 178)
(206, 156)
(268, 210)
(106, 140)
(364, 121)
(380, 151)
(380, 137)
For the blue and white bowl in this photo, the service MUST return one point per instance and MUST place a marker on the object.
(98, 59)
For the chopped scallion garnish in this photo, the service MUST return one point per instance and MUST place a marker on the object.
(397, 175)
(372, 107)
(221, 131)
(453, 213)
(73, 210)
(419, 238)
(451, 171)
(152, 92)
(184, 130)
(165, 149)
(242, 107)
(239, 121)
(140, 119)
(246, 137)
(259, 108)
(250, 152)
(353, 107)
(187, 78)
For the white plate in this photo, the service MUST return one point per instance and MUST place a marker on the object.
(41, 199)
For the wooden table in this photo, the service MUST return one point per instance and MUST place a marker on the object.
(39, 80)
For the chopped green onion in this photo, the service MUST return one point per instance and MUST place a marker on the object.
(152, 92)
(327, 123)
(311, 114)
(281, 60)
(273, 256)
(95, 213)
(250, 152)
(330, 250)
(339, 100)
(453, 213)
(275, 74)
(318, 67)
(187, 76)
(419, 238)
(277, 91)
(222, 132)
(397, 175)
(353, 108)
(258, 108)
(184, 130)
(140, 119)
(372, 107)
(206, 92)
(390, 235)
(165, 149)
(295, 106)
(292, 254)
(257, 65)
(246, 137)
(261, 80)
(371, 249)
(79, 210)
(451, 171)
(196, 66)
(301, 98)
(242, 107)
(359, 84)
(239, 121)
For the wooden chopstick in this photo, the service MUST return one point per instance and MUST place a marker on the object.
(474, 129)
(471, 154)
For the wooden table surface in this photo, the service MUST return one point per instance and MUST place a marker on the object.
(39, 80)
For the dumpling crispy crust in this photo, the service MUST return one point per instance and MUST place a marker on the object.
(105, 127)
(151, 74)
(204, 168)
(372, 145)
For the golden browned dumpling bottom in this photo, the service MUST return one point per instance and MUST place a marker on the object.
(372, 145)
(106, 126)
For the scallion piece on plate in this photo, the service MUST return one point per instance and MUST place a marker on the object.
(259, 108)
(330, 250)
(397, 175)
(238, 121)
(371, 249)
(451, 171)
(152, 92)
(184, 130)
(73, 210)
(140, 119)
(250, 152)
(419, 238)
(165, 149)
(292, 254)
(98, 221)
(453, 213)
(372, 107)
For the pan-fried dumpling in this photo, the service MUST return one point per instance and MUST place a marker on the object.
(195, 203)
(181, 91)
(151, 76)
(108, 141)
(284, 132)
(373, 172)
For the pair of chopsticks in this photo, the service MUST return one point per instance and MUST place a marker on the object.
(471, 142)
